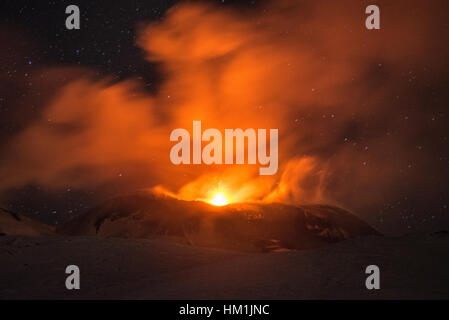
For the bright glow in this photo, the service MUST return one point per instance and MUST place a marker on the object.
(219, 199)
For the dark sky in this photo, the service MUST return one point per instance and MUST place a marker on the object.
(35, 37)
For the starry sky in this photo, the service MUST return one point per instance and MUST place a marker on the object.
(35, 38)
(105, 42)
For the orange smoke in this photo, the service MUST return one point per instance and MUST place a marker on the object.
(310, 69)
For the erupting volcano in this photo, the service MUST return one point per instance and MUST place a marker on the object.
(247, 227)
(269, 104)
(271, 144)
(219, 199)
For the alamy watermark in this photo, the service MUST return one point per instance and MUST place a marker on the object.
(212, 153)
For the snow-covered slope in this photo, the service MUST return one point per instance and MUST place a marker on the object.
(411, 267)
(248, 227)
(15, 224)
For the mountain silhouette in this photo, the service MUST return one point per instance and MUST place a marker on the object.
(248, 227)
(12, 223)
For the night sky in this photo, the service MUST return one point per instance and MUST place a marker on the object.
(105, 41)
(34, 38)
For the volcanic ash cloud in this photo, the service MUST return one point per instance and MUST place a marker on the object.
(335, 91)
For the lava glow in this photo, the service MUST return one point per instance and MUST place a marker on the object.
(219, 199)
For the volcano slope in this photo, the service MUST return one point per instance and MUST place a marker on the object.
(12, 223)
(246, 227)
